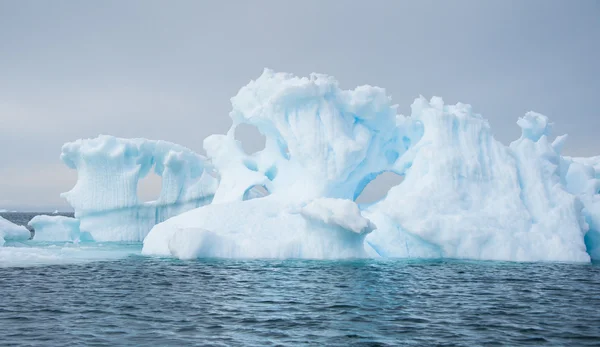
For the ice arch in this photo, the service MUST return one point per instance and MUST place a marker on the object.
(250, 138)
(321, 143)
(105, 196)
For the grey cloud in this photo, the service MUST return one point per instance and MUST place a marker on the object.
(158, 69)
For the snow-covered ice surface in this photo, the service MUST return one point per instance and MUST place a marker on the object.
(57, 228)
(464, 194)
(105, 196)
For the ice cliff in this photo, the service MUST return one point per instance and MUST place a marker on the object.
(464, 194)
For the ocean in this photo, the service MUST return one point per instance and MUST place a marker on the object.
(120, 298)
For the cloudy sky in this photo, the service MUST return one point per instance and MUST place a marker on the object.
(166, 69)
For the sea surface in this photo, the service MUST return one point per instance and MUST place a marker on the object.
(112, 296)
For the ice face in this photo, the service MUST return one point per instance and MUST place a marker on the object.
(105, 196)
(12, 232)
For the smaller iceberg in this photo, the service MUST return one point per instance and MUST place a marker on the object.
(105, 196)
(57, 229)
(12, 232)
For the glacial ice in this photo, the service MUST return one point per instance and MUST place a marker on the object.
(464, 194)
(57, 228)
(12, 232)
(105, 196)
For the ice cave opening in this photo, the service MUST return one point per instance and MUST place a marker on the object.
(256, 191)
(375, 187)
(251, 139)
(149, 187)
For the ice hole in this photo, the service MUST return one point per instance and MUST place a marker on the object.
(149, 187)
(251, 139)
(376, 188)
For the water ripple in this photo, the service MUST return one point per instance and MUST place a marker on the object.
(145, 301)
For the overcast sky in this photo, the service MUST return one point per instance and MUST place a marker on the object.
(166, 69)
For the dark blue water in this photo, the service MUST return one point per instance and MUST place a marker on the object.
(140, 301)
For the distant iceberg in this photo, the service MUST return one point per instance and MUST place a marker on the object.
(105, 196)
(12, 232)
(464, 194)
(57, 228)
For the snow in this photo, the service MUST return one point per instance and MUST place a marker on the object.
(105, 196)
(12, 232)
(57, 228)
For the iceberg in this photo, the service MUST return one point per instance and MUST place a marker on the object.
(463, 194)
(57, 228)
(12, 232)
(323, 144)
(108, 168)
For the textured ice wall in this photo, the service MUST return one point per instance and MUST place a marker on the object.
(105, 196)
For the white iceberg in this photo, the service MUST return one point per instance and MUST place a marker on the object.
(105, 196)
(464, 194)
